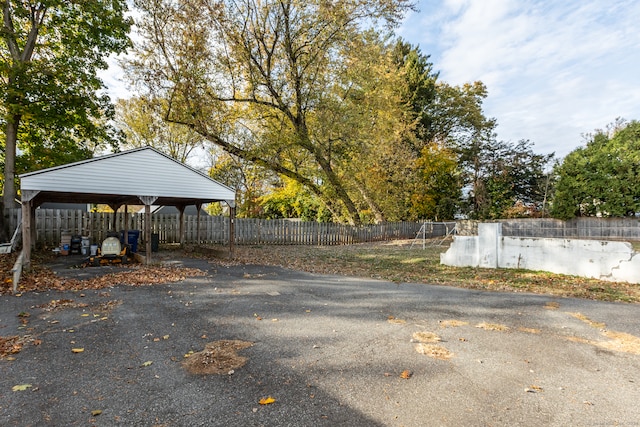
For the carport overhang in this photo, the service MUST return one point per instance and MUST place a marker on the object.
(159, 180)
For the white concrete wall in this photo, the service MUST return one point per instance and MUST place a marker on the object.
(604, 260)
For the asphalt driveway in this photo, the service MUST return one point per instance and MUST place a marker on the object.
(329, 350)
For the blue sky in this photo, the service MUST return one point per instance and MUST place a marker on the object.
(555, 69)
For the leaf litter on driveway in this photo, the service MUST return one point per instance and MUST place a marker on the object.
(218, 357)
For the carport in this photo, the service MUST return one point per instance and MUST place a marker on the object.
(139, 176)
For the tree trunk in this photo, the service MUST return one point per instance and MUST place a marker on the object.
(11, 132)
(375, 208)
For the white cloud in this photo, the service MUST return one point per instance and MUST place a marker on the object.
(554, 70)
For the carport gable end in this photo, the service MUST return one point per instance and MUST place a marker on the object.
(119, 179)
(124, 176)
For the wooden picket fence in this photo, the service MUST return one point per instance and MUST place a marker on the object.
(51, 223)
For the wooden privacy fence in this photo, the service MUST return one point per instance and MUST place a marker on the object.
(50, 223)
(577, 228)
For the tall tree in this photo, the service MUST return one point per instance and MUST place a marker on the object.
(602, 178)
(438, 198)
(513, 179)
(253, 77)
(142, 122)
(49, 55)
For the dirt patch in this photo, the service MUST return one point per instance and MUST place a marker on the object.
(396, 321)
(452, 323)
(588, 321)
(621, 341)
(426, 337)
(552, 305)
(617, 341)
(492, 327)
(434, 350)
(218, 357)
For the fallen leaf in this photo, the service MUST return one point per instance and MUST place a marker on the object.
(266, 400)
(77, 350)
(406, 374)
(165, 337)
(21, 387)
(96, 412)
(147, 363)
(84, 315)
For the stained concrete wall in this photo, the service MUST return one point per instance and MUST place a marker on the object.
(604, 260)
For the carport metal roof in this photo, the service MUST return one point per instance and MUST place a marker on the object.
(140, 175)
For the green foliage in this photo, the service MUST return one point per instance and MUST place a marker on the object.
(440, 194)
(50, 52)
(292, 200)
(506, 179)
(602, 178)
(140, 119)
(250, 181)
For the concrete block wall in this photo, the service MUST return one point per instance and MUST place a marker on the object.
(604, 260)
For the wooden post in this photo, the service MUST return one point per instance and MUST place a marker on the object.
(34, 230)
(26, 235)
(28, 240)
(125, 237)
(182, 231)
(148, 201)
(198, 237)
(147, 233)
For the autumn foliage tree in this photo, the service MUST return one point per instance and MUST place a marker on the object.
(258, 79)
(142, 123)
